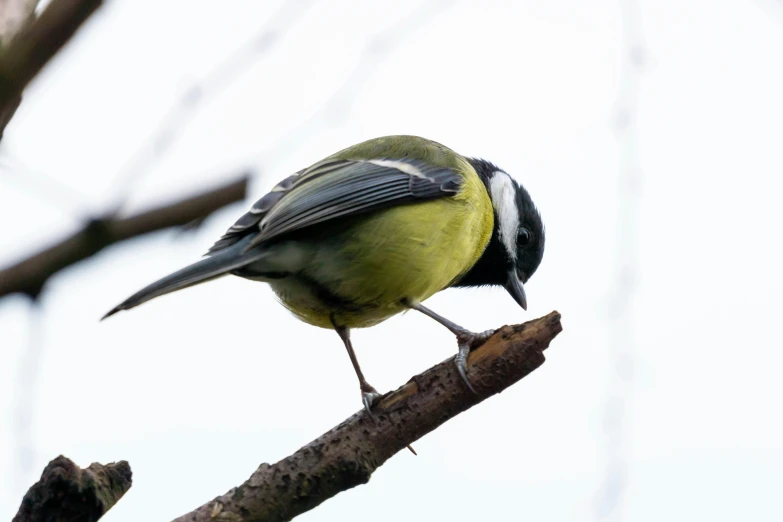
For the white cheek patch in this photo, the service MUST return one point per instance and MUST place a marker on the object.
(402, 166)
(504, 199)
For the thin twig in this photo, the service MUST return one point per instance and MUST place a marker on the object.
(347, 455)
(53, 192)
(29, 276)
(214, 83)
(334, 112)
(337, 109)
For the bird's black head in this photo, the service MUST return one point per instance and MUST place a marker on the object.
(517, 243)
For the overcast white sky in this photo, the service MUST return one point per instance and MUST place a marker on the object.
(196, 389)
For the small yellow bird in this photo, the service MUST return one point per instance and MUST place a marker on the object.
(374, 230)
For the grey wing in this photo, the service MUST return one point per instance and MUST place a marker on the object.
(340, 188)
(248, 223)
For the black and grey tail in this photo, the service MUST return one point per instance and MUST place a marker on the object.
(217, 265)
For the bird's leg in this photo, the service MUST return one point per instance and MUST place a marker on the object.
(465, 339)
(369, 394)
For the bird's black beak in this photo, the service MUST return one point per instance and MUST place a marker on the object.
(515, 287)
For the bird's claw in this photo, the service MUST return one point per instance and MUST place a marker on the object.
(370, 397)
(467, 341)
(461, 361)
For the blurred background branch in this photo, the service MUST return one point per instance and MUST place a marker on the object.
(214, 83)
(30, 275)
(14, 15)
(28, 43)
(623, 294)
(376, 50)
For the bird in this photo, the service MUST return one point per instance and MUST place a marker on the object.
(373, 231)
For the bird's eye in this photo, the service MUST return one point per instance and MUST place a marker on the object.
(524, 237)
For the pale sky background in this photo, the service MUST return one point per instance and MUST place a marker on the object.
(198, 388)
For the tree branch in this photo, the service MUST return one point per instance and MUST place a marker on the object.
(29, 276)
(347, 455)
(34, 45)
(67, 493)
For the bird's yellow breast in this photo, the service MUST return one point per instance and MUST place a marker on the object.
(363, 268)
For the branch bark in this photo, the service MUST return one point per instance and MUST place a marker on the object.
(30, 275)
(347, 455)
(67, 493)
(29, 49)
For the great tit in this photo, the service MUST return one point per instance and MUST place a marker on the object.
(374, 230)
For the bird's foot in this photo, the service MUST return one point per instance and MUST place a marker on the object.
(370, 397)
(466, 341)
